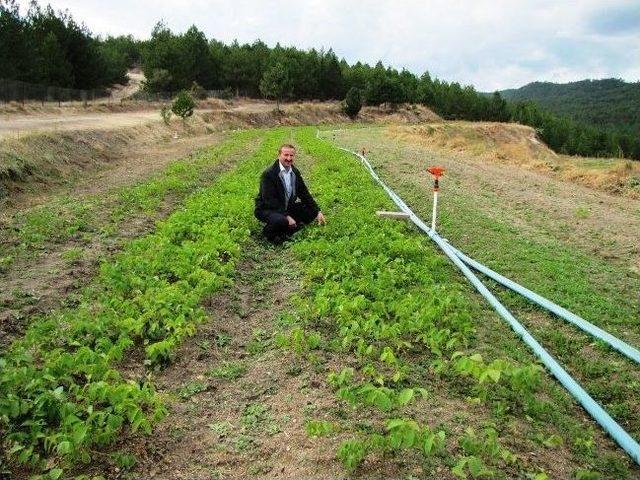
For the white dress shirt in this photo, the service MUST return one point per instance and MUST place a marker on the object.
(286, 174)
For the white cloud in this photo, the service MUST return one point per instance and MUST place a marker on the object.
(490, 44)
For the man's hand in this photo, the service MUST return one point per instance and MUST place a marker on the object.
(320, 218)
(292, 222)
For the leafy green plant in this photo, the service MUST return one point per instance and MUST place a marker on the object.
(60, 395)
(299, 341)
(124, 461)
(342, 378)
(473, 466)
(351, 453)
(319, 428)
(401, 434)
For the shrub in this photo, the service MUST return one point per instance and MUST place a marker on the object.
(352, 102)
(183, 105)
(159, 81)
(197, 91)
(165, 113)
(227, 94)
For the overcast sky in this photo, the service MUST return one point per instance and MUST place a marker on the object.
(491, 44)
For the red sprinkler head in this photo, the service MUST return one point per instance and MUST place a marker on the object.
(436, 172)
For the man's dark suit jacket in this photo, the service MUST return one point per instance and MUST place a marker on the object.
(272, 198)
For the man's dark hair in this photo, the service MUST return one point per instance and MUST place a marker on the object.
(286, 145)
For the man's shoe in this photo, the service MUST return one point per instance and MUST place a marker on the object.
(277, 240)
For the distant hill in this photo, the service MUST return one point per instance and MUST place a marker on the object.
(608, 102)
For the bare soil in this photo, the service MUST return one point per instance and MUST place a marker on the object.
(21, 122)
(251, 425)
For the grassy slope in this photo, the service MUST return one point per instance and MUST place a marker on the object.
(601, 291)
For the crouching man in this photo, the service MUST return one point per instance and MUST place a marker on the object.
(284, 203)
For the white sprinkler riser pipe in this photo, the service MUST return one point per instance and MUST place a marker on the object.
(435, 210)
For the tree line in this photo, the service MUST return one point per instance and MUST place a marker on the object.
(51, 48)
(174, 61)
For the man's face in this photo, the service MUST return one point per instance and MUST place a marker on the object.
(286, 157)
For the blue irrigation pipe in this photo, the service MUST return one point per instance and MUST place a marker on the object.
(571, 317)
(626, 442)
(623, 347)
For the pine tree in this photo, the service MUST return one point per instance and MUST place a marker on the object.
(276, 83)
(352, 102)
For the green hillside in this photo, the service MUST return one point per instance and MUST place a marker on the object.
(607, 102)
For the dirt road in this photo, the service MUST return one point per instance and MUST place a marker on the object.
(12, 125)
(17, 125)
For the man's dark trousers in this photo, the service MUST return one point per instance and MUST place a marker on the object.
(277, 226)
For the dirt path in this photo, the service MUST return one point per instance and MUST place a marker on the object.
(22, 125)
(238, 405)
(18, 125)
(136, 77)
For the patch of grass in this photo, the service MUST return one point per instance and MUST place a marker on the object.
(260, 342)
(190, 389)
(6, 262)
(223, 339)
(72, 255)
(260, 468)
(221, 429)
(55, 223)
(229, 370)
(583, 212)
(257, 418)
(244, 443)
